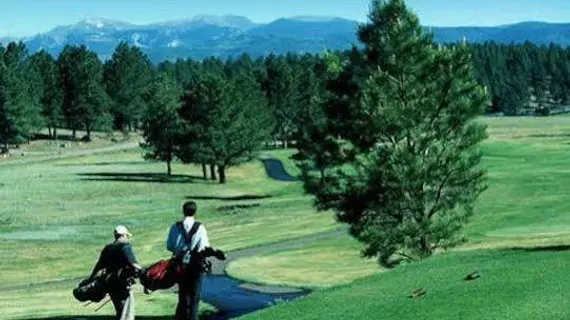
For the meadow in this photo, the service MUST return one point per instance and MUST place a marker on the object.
(57, 215)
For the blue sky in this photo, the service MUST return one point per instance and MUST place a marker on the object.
(27, 17)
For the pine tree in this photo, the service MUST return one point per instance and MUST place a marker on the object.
(127, 76)
(407, 184)
(202, 97)
(50, 92)
(161, 123)
(19, 110)
(84, 98)
(281, 92)
(226, 121)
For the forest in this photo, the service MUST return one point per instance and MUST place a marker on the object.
(221, 111)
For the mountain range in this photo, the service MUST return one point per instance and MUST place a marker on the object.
(226, 36)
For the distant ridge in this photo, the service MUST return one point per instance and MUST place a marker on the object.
(224, 36)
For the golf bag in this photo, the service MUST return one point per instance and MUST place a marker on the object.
(93, 290)
(159, 276)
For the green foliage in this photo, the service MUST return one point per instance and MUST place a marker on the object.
(226, 120)
(19, 106)
(161, 124)
(127, 76)
(404, 171)
(49, 90)
(280, 88)
(84, 98)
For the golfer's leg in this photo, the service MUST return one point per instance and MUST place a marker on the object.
(118, 303)
(181, 307)
(196, 286)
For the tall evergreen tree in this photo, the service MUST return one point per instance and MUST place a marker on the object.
(50, 91)
(227, 121)
(281, 92)
(127, 77)
(84, 100)
(19, 110)
(161, 123)
(407, 185)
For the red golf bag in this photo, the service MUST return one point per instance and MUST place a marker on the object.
(160, 275)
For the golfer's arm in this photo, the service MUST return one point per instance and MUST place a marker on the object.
(128, 251)
(204, 237)
(98, 266)
(170, 240)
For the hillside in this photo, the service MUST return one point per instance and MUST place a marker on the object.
(223, 36)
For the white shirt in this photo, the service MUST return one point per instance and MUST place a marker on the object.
(176, 243)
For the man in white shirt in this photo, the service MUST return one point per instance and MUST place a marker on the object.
(186, 247)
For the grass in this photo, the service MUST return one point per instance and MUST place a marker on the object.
(55, 301)
(524, 207)
(535, 289)
(56, 216)
(43, 145)
(526, 204)
(318, 265)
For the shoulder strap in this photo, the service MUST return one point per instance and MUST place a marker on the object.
(188, 236)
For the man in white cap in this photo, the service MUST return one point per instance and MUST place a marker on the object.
(121, 267)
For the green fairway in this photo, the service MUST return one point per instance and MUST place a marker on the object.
(525, 206)
(56, 216)
(513, 285)
(56, 301)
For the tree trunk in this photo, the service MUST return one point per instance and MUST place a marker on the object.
(74, 133)
(49, 132)
(88, 127)
(205, 171)
(213, 172)
(169, 167)
(284, 143)
(222, 173)
(54, 133)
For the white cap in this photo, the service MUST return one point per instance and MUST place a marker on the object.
(122, 230)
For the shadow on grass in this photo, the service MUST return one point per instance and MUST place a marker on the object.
(139, 177)
(60, 137)
(233, 198)
(558, 248)
(549, 135)
(100, 164)
(237, 206)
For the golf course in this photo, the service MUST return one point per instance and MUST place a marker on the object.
(58, 214)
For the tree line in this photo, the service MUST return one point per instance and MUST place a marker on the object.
(523, 78)
(219, 112)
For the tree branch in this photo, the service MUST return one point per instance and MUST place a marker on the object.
(405, 255)
(438, 194)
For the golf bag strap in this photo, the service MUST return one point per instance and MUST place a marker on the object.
(188, 236)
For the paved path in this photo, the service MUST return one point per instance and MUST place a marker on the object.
(70, 154)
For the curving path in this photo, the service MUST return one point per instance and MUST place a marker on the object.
(49, 156)
(276, 170)
(233, 297)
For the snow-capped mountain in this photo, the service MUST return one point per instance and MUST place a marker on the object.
(223, 36)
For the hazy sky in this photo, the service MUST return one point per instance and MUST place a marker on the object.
(27, 17)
